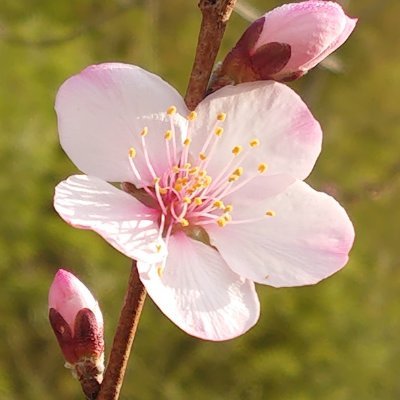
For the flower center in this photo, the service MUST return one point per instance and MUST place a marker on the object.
(186, 195)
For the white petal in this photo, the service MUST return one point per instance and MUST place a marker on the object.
(290, 137)
(308, 240)
(199, 292)
(90, 203)
(101, 112)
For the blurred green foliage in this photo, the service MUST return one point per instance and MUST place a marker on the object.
(338, 340)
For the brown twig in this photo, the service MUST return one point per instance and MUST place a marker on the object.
(215, 14)
(127, 325)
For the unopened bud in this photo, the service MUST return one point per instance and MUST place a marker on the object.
(285, 43)
(77, 322)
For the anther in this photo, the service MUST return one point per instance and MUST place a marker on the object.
(187, 166)
(202, 156)
(270, 213)
(233, 178)
(221, 116)
(254, 143)
(158, 248)
(237, 150)
(175, 169)
(221, 222)
(186, 142)
(163, 190)
(202, 173)
(227, 217)
(218, 204)
(156, 180)
(187, 200)
(144, 131)
(198, 201)
(160, 270)
(238, 171)
(192, 116)
(262, 167)
(184, 222)
(228, 208)
(193, 170)
(171, 110)
(168, 135)
(132, 152)
(219, 131)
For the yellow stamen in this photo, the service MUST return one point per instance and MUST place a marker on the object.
(160, 270)
(228, 208)
(175, 169)
(171, 110)
(156, 180)
(198, 201)
(186, 142)
(144, 131)
(270, 213)
(262, 167)
(187, 200)
(219, 131)
(184, 222)
(227, 217)
(158, 247)
(163, 190)
(207, 181)
(254, 143)
(193, 170)
(168, 135)
(218, 204)
(187, 166)
(178, 187)
(221, 116)
(132, 152)
(202, 156)
(238, 171)
(233, 178)
(192, 116)
(221, 222)
(237, 150)
(202, 173)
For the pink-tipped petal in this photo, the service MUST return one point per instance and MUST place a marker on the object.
(89, 203)
(199, 292)
(307, 240)
(290, 137)
(348, 29)
(313, 29)
(101, 112)
(68, 295)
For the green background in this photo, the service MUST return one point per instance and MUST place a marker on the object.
(338, 340)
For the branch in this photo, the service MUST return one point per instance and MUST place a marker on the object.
(127, 325)
(215, 14)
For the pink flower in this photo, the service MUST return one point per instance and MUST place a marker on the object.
(288, 41)
(218, 190)
(76, 319)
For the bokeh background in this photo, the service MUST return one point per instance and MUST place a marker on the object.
(338, 340)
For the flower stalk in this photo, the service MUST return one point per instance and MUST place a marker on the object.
(215, 15)
(126, 329)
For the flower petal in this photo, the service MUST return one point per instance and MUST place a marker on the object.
(90, 203)
(308, 239)
(290, 137)
(256, 191)
(101, 112)
(199, 292)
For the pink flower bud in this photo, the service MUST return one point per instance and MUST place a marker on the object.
(75, 317)
(77, 322)
(287, 41)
